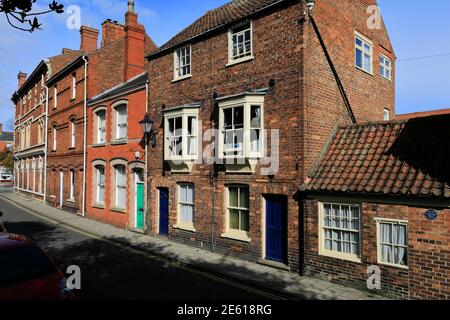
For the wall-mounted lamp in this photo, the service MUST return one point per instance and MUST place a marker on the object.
(147, 127)
(310, 5)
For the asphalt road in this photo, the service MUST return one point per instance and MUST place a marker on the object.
(109, 272)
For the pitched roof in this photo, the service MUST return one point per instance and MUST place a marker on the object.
(407, 116)
(132, 84)
(216, 18)
(403, 158)
(6, 136)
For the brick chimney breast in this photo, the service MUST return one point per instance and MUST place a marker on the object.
(22, 77)
(111, 31)
(89, 39)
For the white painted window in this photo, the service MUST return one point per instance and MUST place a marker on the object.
(101, 127)
(40, 175)
(240, 43)
(182, 63)
(241, 127)
(392, 242)
(385, 67)
(363, 53)
(121, 122)
(33, 167)
(54, 138)
(181, 135)
(238, 208)
(339, 233)
(186, 204)
(72, 186)
(386, 114)
(73, 133)
(121, 187)
(55, 97)
(100, 183)
(74, 86)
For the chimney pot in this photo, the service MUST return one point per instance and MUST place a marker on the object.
(22, 77)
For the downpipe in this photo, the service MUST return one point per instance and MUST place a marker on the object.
(83, 208)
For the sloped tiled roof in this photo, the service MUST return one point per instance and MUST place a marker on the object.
(403, 158)
(221, 16)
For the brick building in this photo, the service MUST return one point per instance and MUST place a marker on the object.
(380, 196)
(94, 71)
(30, 124)
(272, 81)
(6, 142)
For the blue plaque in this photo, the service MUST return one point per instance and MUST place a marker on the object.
(431, 214)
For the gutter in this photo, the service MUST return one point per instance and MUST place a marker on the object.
(83, 205)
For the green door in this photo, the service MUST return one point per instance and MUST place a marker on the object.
(140, 206)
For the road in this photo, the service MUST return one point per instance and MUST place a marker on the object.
(109, 272)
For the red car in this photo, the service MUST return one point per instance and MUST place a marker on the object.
(27, 273)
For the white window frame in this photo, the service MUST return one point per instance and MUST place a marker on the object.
(177, 63)
(241, 235)
(55, 97)
(55, 132)
(181, 224)
(231, 32)
(72, 186)
(40, 167)
(364, 52)
(73, 133)
(247, 102)
(392, 222)
(184, 114)
(100, 187)
(386, 114)
(119, 205)
(33, 167)
(384, 67)
(101, 131)
(74, 86)
(321, 231)
(118, 128)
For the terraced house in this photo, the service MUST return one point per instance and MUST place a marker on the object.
(262, 83)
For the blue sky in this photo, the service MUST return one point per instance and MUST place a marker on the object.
(417, 29)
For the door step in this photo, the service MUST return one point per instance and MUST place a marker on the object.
(274, 264)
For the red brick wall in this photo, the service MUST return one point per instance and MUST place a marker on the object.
(136, 111)
(428, 254)
(303, 106)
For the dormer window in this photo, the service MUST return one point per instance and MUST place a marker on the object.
(240, 43)
(182, 63)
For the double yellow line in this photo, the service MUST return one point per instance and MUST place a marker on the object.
(176, 264)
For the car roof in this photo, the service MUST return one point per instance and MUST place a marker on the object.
(10, 241)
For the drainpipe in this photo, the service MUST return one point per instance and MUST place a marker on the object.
(46, 144)
(146, 189)
(83, 209)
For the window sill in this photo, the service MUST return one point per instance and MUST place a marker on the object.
(185, 227)
(71, 201)
(99, 145)
(238, 61)
(119, 142)
(341, 256)
(180, 165)
(119, 210)
(237, 235)
(72, 148)
(182, 78)
(390, 265)
(98, 206)
(365, 71)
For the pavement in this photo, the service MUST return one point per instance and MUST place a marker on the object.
(269, 282)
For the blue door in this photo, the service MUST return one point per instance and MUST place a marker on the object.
(164, 212)
(276, 228)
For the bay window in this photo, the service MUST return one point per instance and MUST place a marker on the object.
(181, 134)
(340, 231)
(241, 127)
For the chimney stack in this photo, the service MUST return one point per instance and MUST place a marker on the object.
(111, 31)
(89, 38)
(134, 44)
(22, 77)
(1, 128)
